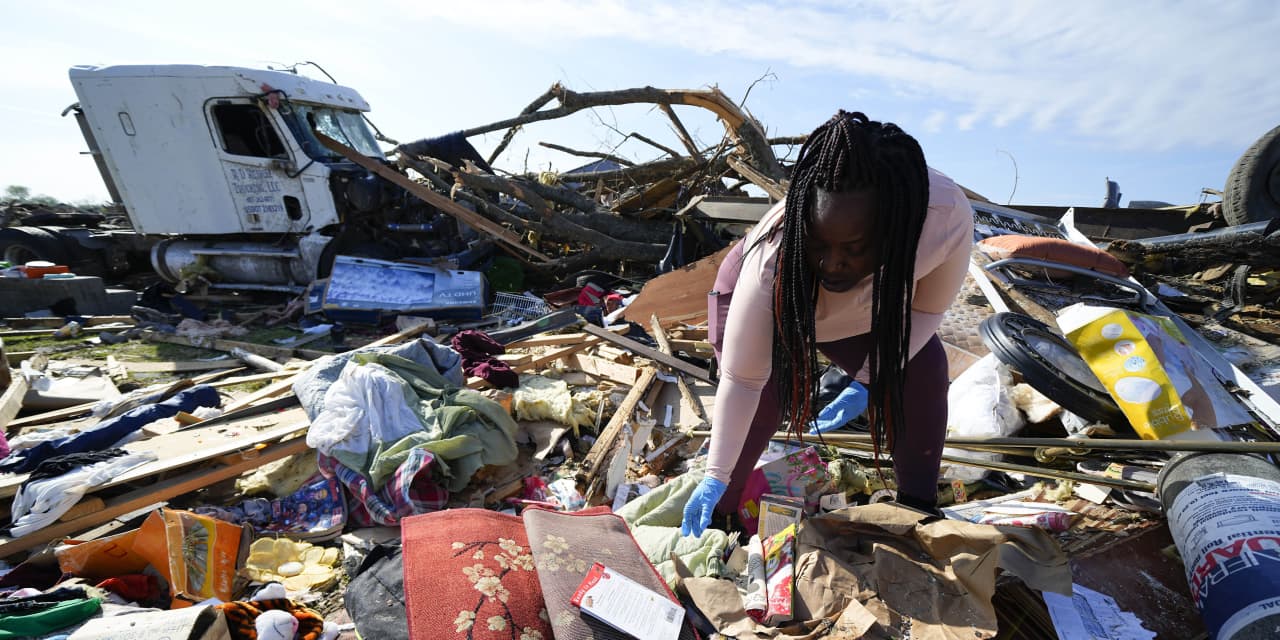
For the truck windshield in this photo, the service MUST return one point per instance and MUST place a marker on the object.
(347, 127)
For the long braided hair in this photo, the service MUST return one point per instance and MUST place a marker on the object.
(851, 153)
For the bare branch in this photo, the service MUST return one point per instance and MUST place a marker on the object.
(680, 130)
(589, 154)
(538, 103)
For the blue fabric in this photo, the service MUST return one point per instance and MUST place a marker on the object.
(697, 512)
(850, 404)
(109, 432)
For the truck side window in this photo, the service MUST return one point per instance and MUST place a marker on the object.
(246, 131)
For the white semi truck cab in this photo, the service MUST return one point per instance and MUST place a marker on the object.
(219, 172)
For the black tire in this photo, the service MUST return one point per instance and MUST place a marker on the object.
(1048, 362)
(1252, 192)
(20, 245)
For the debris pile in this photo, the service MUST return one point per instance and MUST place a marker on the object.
(409, 449)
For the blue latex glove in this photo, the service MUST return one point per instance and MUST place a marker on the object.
(697, 512)
(848, 405)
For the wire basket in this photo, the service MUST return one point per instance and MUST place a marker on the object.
(515, 307)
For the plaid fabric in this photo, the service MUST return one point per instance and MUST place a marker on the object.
(409, 491)
(242, 615)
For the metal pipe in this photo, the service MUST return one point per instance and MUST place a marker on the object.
(1042, 472)
(1069, 443)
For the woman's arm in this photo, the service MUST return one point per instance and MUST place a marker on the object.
(745, 363)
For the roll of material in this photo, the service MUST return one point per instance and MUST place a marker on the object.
(1224, 514)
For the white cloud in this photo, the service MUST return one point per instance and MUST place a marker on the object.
(934, 122)
(1141, 75)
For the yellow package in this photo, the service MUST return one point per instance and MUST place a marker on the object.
(1163, 386)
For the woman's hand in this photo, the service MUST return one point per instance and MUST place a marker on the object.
(697, 512)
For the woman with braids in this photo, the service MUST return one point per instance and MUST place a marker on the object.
(859, 262)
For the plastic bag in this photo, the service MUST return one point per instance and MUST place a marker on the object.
(979, 405)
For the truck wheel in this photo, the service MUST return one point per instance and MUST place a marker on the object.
(20, 245)
(1252, 193)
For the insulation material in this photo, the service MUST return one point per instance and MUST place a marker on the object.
(541, 398)
(1035, 405)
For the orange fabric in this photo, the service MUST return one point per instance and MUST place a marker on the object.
(1054, 250)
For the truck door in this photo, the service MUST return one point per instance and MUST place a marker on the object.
(257, 165)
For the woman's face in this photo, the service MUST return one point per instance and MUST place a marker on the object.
(840, 246)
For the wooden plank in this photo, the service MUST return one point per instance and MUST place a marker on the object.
(84, 507)
(141, 497)
(480, 383)
(59, 415)
(599, 367)
(182, 448)
(679, 293)
(49, 332)
(604, 444)
(514, 359)
(553, 340)
(54, 323)
(651, 353)
(11, 400)
(181, 366)
(692, 346)
(402, 336)
(220, 344)
(660, 336)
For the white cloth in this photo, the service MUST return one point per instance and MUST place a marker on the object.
(367, 404)
(38, 504)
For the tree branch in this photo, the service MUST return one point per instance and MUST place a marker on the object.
(589, 154)
(538, 103)
(744, 130)
(683, 133)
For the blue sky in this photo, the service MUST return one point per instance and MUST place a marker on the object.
(1161, 96)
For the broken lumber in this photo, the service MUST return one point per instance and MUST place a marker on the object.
(601, 368)
(480, 383)
(660, 336)
(222, 344)
(143, 496)
(677, 293)
(600, 449)
(651, 353)
(11, 400)
(55, 322)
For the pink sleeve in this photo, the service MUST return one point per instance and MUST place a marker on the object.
(746, 365)
(936, 290)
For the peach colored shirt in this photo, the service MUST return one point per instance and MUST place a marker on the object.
(942, 260)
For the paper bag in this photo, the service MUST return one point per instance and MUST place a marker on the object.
(198, 555)
(100, 559)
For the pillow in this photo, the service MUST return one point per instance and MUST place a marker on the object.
(1053, 250)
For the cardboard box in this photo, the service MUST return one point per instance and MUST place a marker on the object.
(790, 471)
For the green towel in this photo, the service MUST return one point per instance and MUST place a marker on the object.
(59, 616)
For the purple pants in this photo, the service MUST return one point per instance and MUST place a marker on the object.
(916, 455)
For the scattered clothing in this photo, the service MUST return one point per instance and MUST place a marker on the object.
(40, 503)
(58, 465)
(385, 406)
(411, 490)
(141, 588)
(109, 432)
(478, 350)
(45, 621)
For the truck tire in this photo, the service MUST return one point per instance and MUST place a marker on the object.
(1048, 362)
(1252, 192)
(20, 245)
